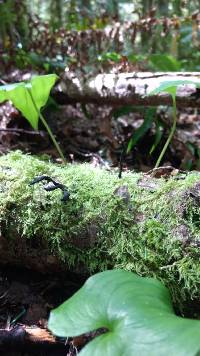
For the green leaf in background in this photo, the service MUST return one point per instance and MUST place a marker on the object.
(18, 93)
(170, 86)
(148, 119)
(136, 311)
(124, 110)
(110, 56)
(164, 62)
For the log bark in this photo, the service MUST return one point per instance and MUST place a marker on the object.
(127, 89)
(146, 223)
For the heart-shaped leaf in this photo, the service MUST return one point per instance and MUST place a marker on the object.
(19, 94)
(137, 312)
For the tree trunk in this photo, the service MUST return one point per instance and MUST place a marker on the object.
(128, 89)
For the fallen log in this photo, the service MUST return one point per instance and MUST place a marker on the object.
(146, 223)
(127, 89)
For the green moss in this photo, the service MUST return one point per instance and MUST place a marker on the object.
(97, 228)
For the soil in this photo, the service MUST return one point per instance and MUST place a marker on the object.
(26, 298)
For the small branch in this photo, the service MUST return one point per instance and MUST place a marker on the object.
(16, 131)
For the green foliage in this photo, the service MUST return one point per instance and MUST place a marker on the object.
(110, 56)
(22, 36)
(49, 64)
(7, 19)
(164, 62)
(19, 94)
(124, 110)
(140, 132)
(149, 117)
(137, 313)
(171, 86)
(29, 97)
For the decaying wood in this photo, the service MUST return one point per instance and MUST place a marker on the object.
(35, 258)
(127, 88)
(24, 338)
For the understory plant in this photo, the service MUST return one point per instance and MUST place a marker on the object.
(136, 314)
(29, 97)
(170, 87)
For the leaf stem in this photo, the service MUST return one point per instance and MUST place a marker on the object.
(170, 135)
(47, 128)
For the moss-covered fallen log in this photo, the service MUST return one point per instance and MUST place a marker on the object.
(139, 222)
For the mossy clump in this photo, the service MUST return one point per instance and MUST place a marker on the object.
(107, 222)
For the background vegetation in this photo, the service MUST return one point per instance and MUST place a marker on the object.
(87, 37)
(46, 34)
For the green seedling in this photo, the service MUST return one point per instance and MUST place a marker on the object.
(170, 87)
(29, 97)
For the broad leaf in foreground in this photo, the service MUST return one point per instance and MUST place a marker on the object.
(137, 312)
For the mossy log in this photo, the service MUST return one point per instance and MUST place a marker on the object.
(140, 223)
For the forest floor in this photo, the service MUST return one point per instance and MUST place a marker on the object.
(26, 298)
(93, 134)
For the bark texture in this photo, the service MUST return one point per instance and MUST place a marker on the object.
(128, 88)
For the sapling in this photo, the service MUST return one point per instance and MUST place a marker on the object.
(29, 97)
(170, 87)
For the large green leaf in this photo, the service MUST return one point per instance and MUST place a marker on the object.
(19, 94)
(137, 312)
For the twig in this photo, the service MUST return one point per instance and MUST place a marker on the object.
(13, 130)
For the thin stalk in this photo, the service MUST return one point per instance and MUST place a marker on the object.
(170, 135)
(47, 128)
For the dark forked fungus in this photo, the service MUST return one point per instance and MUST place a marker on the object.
(52, 185)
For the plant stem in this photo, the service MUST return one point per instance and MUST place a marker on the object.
(47, 128)
(52, 137)
(170, 135)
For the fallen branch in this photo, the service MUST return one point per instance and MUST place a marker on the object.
(127, 89)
